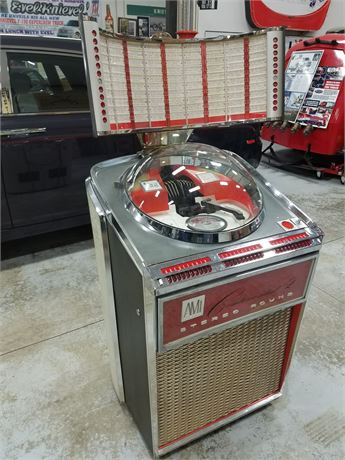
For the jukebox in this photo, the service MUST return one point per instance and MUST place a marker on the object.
(204, 266)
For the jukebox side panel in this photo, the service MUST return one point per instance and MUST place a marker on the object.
(146, 85)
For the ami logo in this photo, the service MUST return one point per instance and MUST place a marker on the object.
(192, 308)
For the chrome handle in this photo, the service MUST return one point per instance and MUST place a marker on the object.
(22, 132)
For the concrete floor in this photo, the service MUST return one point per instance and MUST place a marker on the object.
(56, 393)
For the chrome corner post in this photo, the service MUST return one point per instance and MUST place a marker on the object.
(101, 242)
(150, 315)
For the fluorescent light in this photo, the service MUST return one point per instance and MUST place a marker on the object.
(178, 170)
(176, 135)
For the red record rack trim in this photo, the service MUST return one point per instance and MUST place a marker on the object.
(128, 83)
(165, 83)
(246, 75)
(204, 80)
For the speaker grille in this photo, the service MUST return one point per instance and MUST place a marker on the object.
(207, 379)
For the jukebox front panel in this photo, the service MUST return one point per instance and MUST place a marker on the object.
(198, 311)
(210, 366)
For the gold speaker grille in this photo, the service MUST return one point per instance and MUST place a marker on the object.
(207, 379)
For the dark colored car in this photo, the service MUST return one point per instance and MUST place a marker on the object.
(46, 136)
(242, 138)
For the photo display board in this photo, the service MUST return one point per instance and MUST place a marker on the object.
(148, 84)
(311, 90)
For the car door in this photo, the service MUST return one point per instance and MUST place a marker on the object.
(47, 143)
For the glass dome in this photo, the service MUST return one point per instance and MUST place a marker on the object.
(194, 192)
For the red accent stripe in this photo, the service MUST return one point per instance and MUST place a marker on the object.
(217, 119)
(246, 116)
(215, 421)
(196, 121)
(204, 79)
(165, 83)
(296, 311)
(183, 122)
(185, 265)
(128, 83)
(246, 75)
(237, 252)
(289, 239)
(142, 124)
(159, 124)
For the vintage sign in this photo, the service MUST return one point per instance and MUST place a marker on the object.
(292, 14)
(50, 18)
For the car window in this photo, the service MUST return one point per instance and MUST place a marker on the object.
(72, 23)
(47, 83)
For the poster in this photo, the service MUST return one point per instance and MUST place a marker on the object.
(321, 98)
(50, 18)
(299, 75)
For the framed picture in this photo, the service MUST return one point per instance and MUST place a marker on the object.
(157, 24)
(127, 26)
(143, 26)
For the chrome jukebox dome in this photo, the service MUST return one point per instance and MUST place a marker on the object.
(194, 192)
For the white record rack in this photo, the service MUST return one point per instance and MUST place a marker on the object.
(150, 84)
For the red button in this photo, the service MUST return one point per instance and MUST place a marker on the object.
(287, 224)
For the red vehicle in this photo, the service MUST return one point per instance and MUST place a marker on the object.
(316, 127)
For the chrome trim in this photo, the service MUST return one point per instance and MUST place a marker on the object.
(22, 132)
(47, 50)
(294, 342)
(232, 322)
(101, 242)
(300, 319)
(164, 289)
(44, 113)
(150, 317)
(187, 235)
(218, 424)
(267, 250)
(5, 80)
